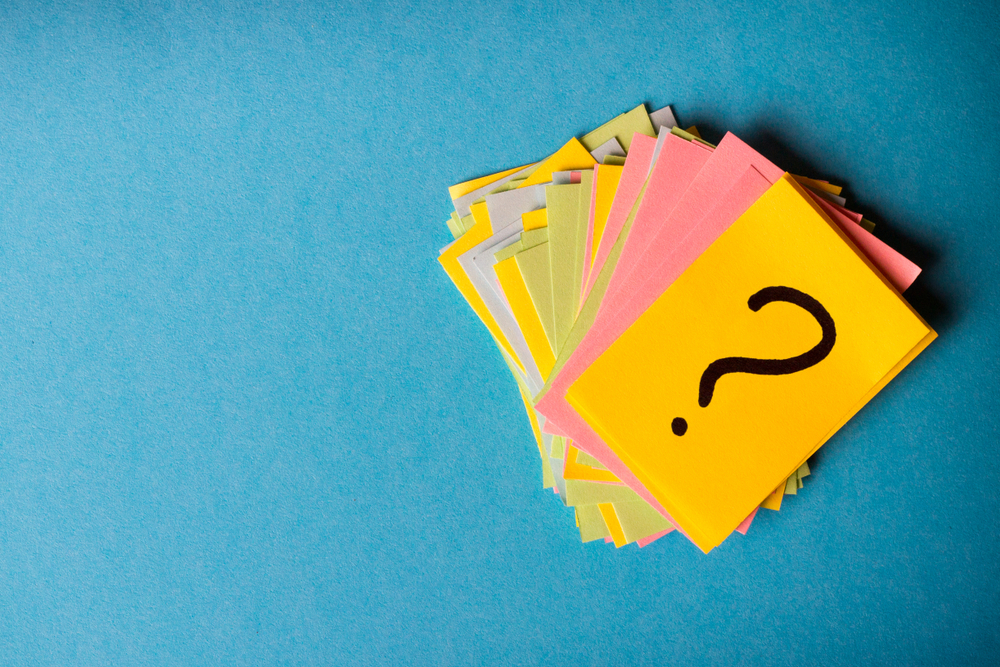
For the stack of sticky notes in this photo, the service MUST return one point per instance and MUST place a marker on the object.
(686, 323)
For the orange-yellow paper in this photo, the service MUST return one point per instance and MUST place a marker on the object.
(757, 429)
(535, 219)
(465, 188)
(573, 469)
(571, 156)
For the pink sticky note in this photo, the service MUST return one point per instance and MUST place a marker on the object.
(639, 294)
(726, 166)
(633, 177)
(551, 428)
(652, 538)
(609, 539)
(856, 217)
(900, 271)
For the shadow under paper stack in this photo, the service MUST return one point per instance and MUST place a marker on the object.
(687, 323)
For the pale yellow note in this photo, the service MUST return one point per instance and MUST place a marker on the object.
(592, 525)
(523, 309)
(534, 266)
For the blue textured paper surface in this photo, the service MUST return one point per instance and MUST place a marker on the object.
(246, 419)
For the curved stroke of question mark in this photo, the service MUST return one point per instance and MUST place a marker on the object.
(721, 367)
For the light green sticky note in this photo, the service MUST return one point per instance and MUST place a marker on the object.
(533, 237)
(639, 520)
(791, 485)
(563, 205)
(453, 226)
(509, 185)
(590, 307)
(548, 479)
(581, 492)
(558, 446)
(614, 159)
(533, 264)
(804, 470)
(621, 128)
(582, 223)
(689, 137)
(466, 222)
(508, 252)
(586, 459)
(592, 526)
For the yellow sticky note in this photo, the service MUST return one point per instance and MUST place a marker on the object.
(574, 469)
(465, 188)
(480, 231)
(535, 219)
(773, 500)
(614, 526)
(782, 283)
(819, 185)
(570, 157)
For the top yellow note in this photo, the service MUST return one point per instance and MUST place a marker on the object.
(691, 398)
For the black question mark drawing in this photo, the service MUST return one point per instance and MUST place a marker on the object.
(721, 367)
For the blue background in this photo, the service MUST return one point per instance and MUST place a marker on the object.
(246, 419)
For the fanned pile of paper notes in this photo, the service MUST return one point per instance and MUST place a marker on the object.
(687, 323)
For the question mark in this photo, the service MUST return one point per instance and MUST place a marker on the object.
(720, 367)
